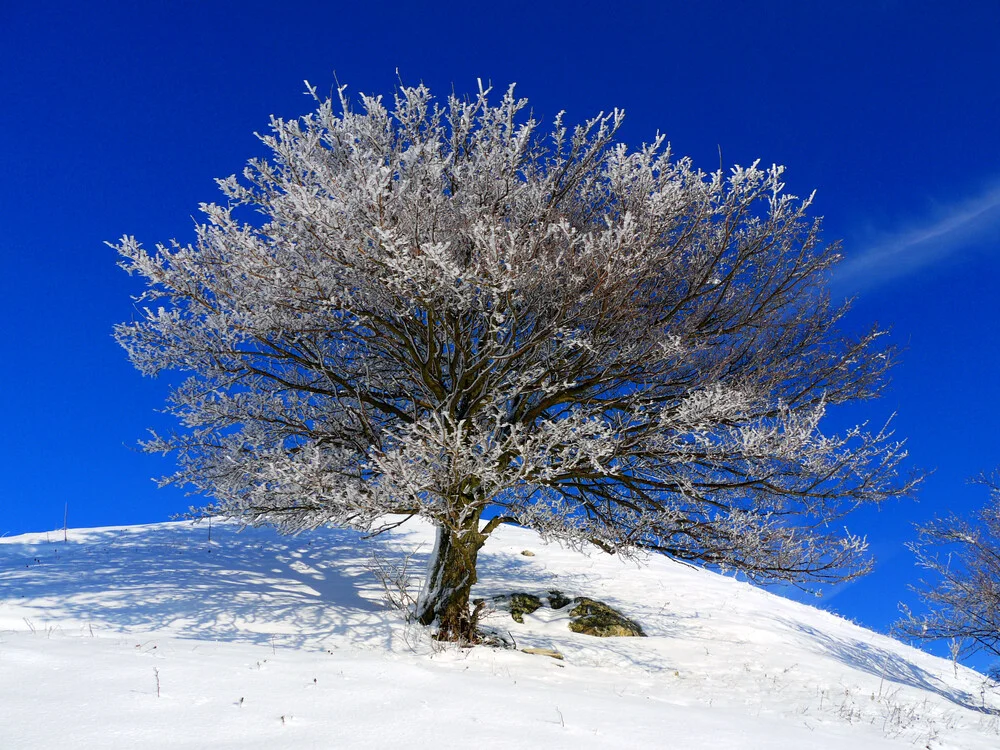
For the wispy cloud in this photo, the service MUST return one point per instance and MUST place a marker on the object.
(920, 245)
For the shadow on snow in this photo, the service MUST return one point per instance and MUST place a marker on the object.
(254, 586)
(888, 665)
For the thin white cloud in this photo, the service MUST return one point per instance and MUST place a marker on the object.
(960, 227)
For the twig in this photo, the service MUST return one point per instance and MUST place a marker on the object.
(881, 680)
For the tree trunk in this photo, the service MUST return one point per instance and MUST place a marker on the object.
(450, 577)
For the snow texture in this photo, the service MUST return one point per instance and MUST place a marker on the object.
(160, 637)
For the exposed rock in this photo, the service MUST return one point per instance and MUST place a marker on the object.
(588, 616)
(592, 617)
(558, 600)
(518, 604)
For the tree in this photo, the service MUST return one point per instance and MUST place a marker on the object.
(448, 311)
(963, 599)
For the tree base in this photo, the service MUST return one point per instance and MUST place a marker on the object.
(450, 577)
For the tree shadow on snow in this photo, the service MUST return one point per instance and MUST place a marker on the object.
(889, 665)
(251, 587)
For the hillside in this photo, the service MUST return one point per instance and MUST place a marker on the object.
(157, 637)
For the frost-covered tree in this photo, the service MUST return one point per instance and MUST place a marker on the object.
(962, 599)
(452, 312)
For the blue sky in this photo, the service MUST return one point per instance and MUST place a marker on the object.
(115, 119)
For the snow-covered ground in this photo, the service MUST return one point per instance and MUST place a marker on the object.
(155, 637)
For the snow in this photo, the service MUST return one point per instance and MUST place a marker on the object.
(157, 637)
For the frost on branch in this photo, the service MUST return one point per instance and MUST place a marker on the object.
(448, 307)
(962, 597)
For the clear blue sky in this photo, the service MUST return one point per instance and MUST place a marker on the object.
(115, 118)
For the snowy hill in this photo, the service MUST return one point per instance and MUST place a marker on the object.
(156, 637)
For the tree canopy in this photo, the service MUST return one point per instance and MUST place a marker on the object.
(962, 596)
(450, 311)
